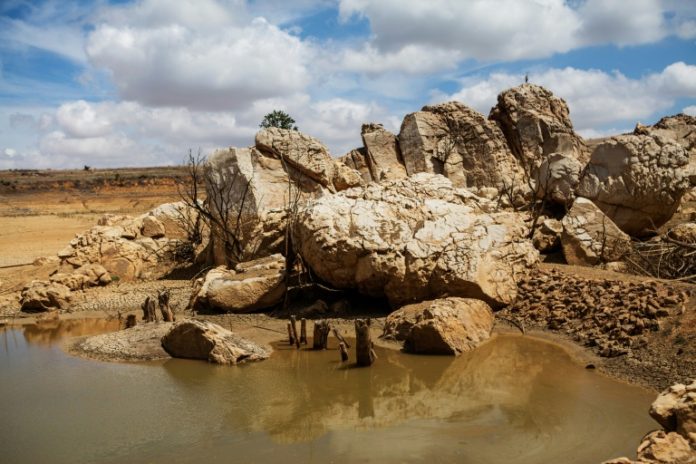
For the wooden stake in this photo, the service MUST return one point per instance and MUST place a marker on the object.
(131, 321)
(290, 337)
(149, 310)
(303, 331)
(163, 300)
(293, 324)
(344, 351)
(321, 335)
(340, 338)
(364, 352)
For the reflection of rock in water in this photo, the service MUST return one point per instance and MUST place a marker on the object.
(51, 331)
(298, 396)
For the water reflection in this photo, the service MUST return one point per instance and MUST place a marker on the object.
(51, 331)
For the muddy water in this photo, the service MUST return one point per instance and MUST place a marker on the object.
(516, 399)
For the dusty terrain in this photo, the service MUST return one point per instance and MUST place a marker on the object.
(41, 212)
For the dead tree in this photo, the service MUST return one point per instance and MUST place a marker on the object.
(291, 337)
(149, 310)
(303, 331)
(293, 328)
(321, 335)
(364, 349)
(224, 208)
(340, 338)
(344, 351)
(163, 300)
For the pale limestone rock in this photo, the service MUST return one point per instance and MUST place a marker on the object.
(382, 153)
(557, 178)
(637, 180)
(89, 275)
(447, 326)
(345, 177)
(547, 235)
(152, 227)
(415, 239)
(685, 232)
(675, 410)
(40, 295)
(536, 123)
(660, 447)
(590, 237)
(461, 144)
(251, 286)
(301, 152)
(357, 159)
(194, 339)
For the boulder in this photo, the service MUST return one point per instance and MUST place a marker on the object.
(193, 339)
(557, 178)
(680, 128)
(382, 153)
(415, 239)
(89, 275)
(357, 159)
(152, 227)
(447, 326)
(684, 232)
(547, 235)
(637, 180)
(589, 237)
(303, 153)
(41, 295)
(660, 447)
(250, 286)
(536, 124)
(459, 143)
(345, 177)
(675, 410)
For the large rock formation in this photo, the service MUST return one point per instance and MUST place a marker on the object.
(557, 178)
(382, 152)
(89, 275)
(589, 237)
(459, 143)
(251, 286)
(536, 124)
(260, 184)
(680, 128)
(447, 326)
(40, 295)
(637, 180)
(675, 410)
(415, 239)
(204, 340)
(124, 246)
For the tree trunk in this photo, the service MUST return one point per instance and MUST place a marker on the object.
(340, 338)
(364, 352)
(321, 335)
(131, 321)
(303, 331)
(149, 310)
(293, 324)
(291, 338)
(344, 351)
(163, 300)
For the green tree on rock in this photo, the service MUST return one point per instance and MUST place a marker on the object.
(278, 118)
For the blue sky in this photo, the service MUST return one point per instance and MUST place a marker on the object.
(125, 83)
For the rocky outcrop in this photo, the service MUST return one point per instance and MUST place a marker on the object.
(459, 143)
(140, 343)
(250, 286)
(547, 235)
(557, 178)
(415, 239)
(194, 339)
(680, 128)
(675, 410)
(637, 181)
(448, 326)
(118, 245)
(357, 159)
(612, 316)
(536, 124)
(382, 152)
(589, 237)
(40, 295)
(89, 275)
(303, 153)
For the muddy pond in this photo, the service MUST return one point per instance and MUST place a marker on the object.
(515, 399)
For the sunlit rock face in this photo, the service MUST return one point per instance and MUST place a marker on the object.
(415, 239)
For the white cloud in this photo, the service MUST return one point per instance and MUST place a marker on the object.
(690, 110)
(595, 98)
(197, 55)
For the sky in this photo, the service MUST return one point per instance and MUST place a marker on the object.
(110, 83)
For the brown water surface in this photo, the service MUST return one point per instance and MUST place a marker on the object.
(515, 399)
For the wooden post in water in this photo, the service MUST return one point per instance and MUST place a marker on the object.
(291, 339)
(340, 338)
(303, 331)
(344, 351)
(364, 353)
(321, 335)
(293, 324)
(131, 321)
(163, 300)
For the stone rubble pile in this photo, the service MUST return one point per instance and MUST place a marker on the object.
(612, 316)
